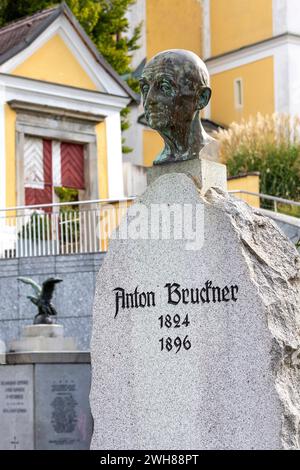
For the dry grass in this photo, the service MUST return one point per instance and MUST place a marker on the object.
(258, 134)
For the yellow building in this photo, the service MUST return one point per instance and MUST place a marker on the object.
(55, 87)
(250, 47)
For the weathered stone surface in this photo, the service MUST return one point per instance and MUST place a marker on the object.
(9, 303)
(237, 386)
(288, 224)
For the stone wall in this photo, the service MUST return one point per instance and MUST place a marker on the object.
(73, 298)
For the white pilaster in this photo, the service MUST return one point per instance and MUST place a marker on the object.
(280, 16)
(206, 29)
(136, 14)
(286, 15)
(56, 163)
(281, 79)
(294, 78)
(114, 156)
(293, 15)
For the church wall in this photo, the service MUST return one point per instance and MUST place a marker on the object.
(237, 23)
(172, 25)
(258, 95)
(54, 62)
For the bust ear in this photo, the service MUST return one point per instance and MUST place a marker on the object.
(204, 97)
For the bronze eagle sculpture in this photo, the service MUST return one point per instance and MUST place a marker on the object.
(47, 314)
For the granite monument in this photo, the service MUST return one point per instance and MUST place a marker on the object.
(195, 341)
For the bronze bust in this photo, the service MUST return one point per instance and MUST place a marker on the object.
(175, 88)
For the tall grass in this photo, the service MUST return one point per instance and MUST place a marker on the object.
(269, 144)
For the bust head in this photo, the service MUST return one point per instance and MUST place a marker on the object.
(175, 87)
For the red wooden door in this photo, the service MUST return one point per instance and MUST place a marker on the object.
(72, 165)
(50, 163)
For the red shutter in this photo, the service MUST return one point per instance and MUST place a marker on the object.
(42, 196)
(72, 165)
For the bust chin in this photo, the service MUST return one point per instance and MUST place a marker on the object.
(175, 88)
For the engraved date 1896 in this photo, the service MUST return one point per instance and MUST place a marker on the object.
(178, 343)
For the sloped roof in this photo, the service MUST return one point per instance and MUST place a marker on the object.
(16, 36)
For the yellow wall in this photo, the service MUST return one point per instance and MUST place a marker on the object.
(10, 141)
(173, 24)
(258, 94)
(54, 62)
(152, 146)
(246, 183)
(236, 23)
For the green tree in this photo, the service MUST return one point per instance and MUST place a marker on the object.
(104, 21)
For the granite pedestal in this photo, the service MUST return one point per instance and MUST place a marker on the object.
(195, 347)
(205, 173)
(37, 338)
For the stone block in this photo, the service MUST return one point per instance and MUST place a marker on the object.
(63, 417)
(205, 173)
(41, 343)
(49, 331)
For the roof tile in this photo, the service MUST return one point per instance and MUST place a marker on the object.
(19, 31)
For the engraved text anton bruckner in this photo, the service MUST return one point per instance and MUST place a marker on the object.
(175, 294)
